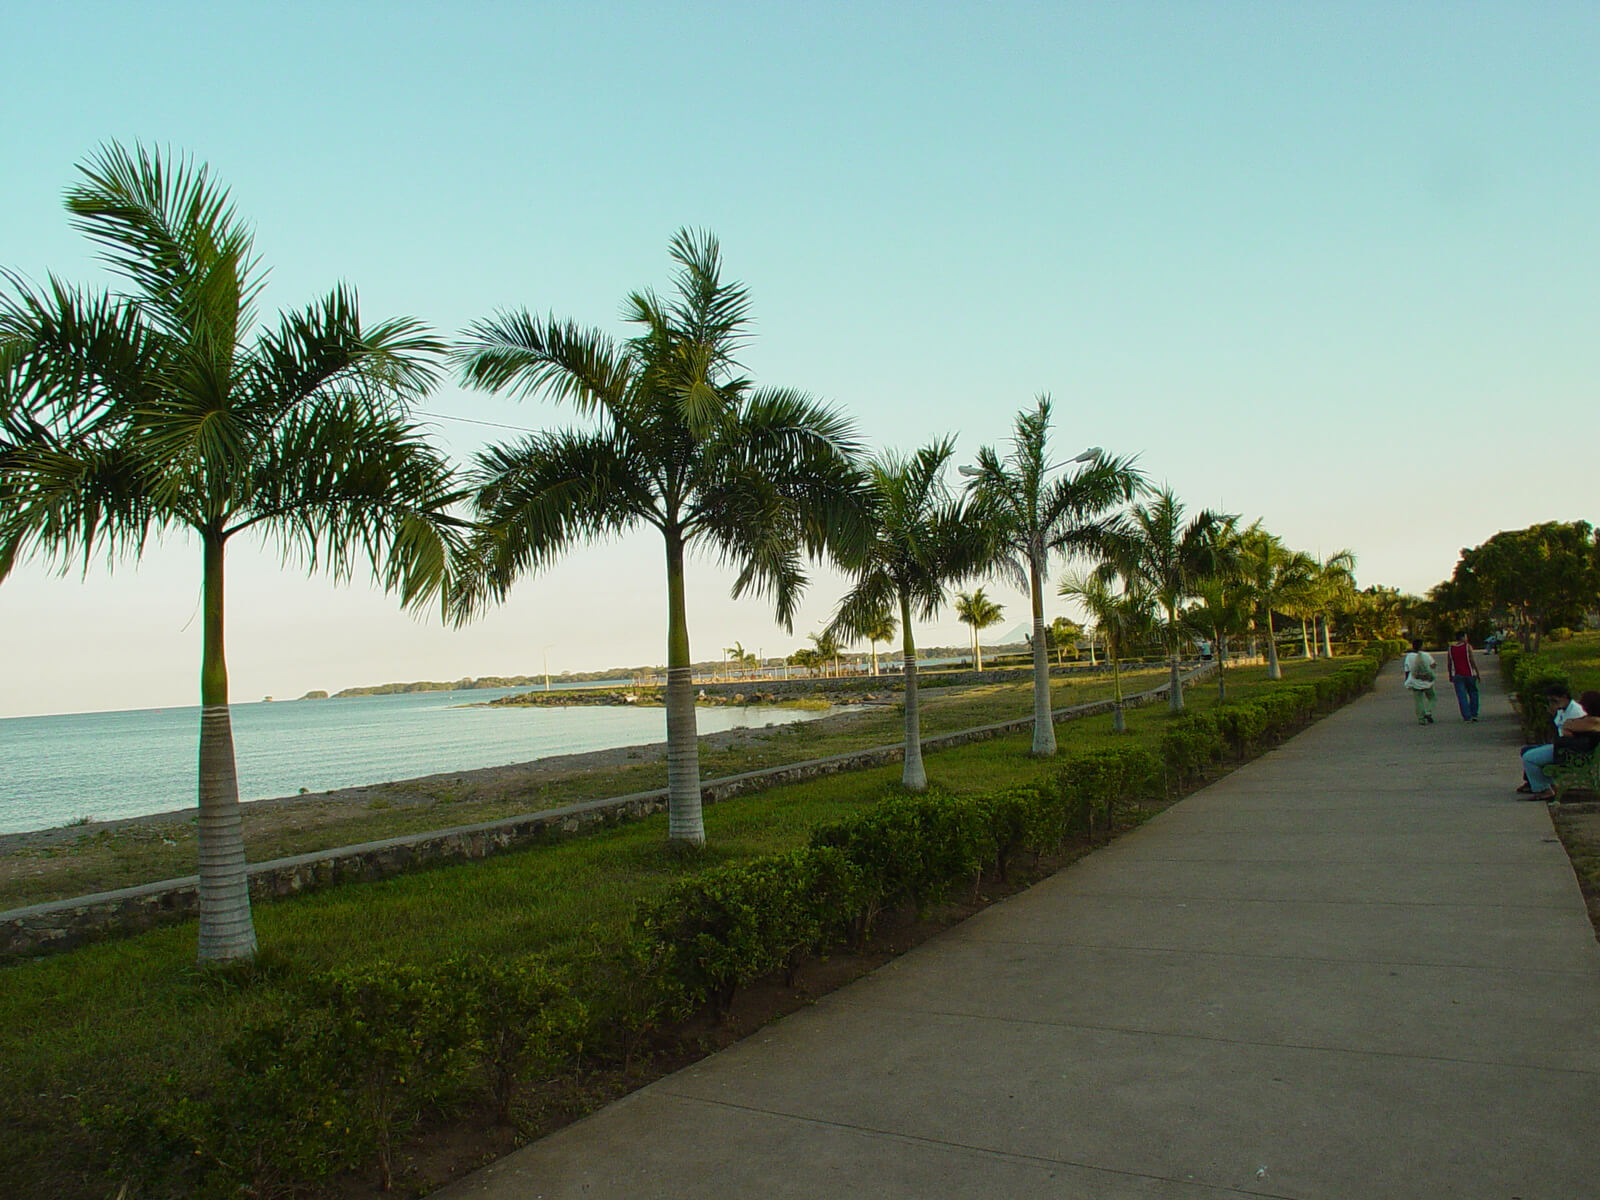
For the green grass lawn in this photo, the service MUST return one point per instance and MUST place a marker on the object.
(89, 1029)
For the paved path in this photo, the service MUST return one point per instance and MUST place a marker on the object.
(1354, 969)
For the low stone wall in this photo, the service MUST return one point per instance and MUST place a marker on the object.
(64, 924)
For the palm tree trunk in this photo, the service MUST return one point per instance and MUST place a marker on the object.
(914, 777)
(685, 824)
(1175, 680)
(1220, 652)
(1305, 638)
(1044, 726)
(1274, 671)
(1119, 723)
(226, 929)
(1327, 635)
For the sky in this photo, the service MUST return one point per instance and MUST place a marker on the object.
(1329, 266)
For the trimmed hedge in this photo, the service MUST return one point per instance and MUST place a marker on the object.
(1526, 676)
(354, 1059)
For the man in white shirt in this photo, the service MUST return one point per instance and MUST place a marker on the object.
(1420, 674)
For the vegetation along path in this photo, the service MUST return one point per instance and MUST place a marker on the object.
(1354, 967)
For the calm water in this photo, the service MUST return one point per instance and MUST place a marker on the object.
(127, 764)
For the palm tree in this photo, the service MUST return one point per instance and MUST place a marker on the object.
(923, 539)
(741, 658)
(1122, 612)
(1157, 553)
(1221, 610)
(1334, 583)
(1061, 634)
(1277, 578)
(167, 408)
(980, 612)
(882, 629)
(681, 442)
(1035, 518)
(827, 648)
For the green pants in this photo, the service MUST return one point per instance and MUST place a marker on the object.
(1423, 698)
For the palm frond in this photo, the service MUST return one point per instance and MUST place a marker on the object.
(174, 235)
(536, 497)
(519, 353)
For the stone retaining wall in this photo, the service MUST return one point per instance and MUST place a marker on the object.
(64, 924)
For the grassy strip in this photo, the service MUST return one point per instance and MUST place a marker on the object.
(1575, 662)
(92, 1042)
(147, 851)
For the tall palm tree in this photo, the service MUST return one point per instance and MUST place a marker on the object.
(167, 407)
(922, 540)
(978, 611)
(1122, 612)
(1158, 553)
(681, 441)
(1036, 517)
(1278, 580)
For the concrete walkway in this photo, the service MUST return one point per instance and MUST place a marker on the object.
(1354, 969)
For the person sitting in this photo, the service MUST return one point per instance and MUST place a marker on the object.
(1563, 708)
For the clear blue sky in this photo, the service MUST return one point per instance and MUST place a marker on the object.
(1333, 266)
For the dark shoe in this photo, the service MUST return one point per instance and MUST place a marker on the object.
(1430, 720)
(1525, 788)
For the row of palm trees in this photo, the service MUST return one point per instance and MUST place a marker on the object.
(169, 405)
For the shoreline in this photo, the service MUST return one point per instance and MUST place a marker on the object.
(466, 786)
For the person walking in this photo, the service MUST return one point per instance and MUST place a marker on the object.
(1463, 670)
(1420, 675)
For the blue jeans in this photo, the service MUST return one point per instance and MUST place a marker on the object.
(1533, 758)
(1467, 696)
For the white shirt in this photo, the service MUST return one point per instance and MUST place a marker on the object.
(1410, 662)
(1573, 709)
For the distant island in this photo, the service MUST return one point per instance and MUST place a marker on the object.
(615, 674)
(634, 677)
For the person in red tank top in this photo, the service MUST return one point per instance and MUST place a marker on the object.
(1464, 674)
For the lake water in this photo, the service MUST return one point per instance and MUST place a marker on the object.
(107, 765)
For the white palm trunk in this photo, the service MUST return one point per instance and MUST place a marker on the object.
(1044, 726)
(1274, 670)
(685, 820)
(227, 931)
(1174, 675)
(913, 776)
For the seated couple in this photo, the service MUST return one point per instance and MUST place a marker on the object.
(1577, 728)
